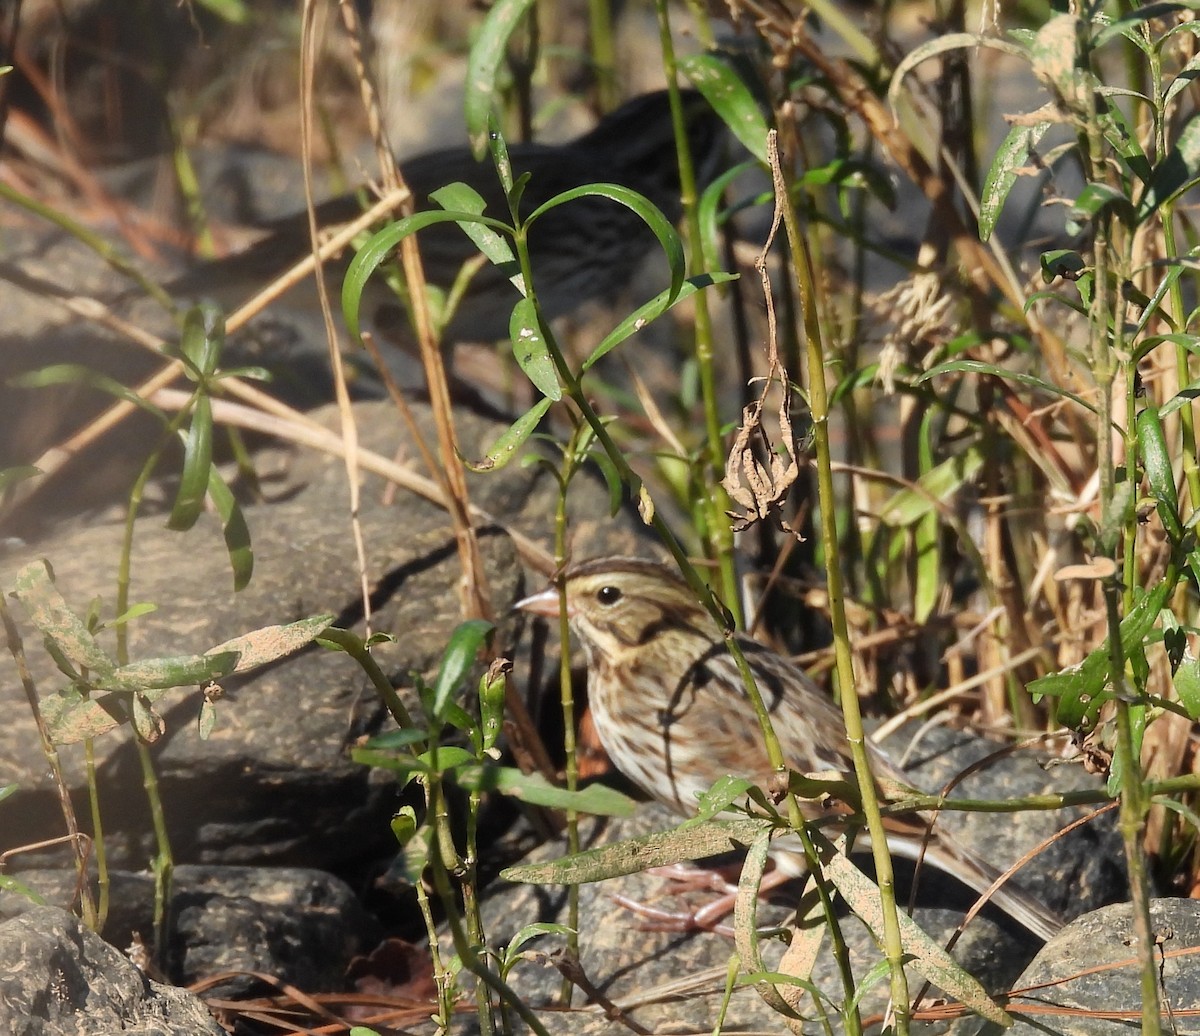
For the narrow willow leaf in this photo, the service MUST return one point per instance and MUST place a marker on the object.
(929, 958)
(181, 671)
(729, 98)
(941, 45)
(492, 243)
(233, 528)
(533, 931)
(692, 842)
(668, 236)
(379, 247)
(457, 660)
(1187, 686)
(197, 465)
(271, 642)
(207, 721)
(652, 310)
(48, 611)
(1156, 459)
(1011, 157)
(487, 55)
(534, 789)
(404, 825)
(78, 374)
(745, 922)
(531, 351)
(202, 340)
(509, 444)
(979, 367)
(1177, 172)
(70, 718)
(1096, 200)
(1083, 689)
(937, 486)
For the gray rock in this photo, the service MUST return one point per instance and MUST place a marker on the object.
(673, 982)
(274, 783)
(57, 978)
(1086, 981)
(300, 926)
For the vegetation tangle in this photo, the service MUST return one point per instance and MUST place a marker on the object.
(941, 384)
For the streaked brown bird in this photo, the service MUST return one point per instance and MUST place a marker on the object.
(586, 249)
(672, 713)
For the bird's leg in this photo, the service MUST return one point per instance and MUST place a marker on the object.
(706, 917)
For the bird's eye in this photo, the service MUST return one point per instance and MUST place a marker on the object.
(608, 595)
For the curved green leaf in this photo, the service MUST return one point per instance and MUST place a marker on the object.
(380, 246)
(730, 98)
(535, 790)
(530, 350)
(979, 367)
(692, 842)
(505, 448)
(48, 611)
(667, 235)
(1176, 173)
(652, 310)
(457, 660)
(487, 54)
(1156, 459)
(197, 467)
(1011, 157)
(202, 340)
(234, 529)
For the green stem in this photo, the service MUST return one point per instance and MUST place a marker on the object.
(819, 409)
(715, 503)
(572, 456)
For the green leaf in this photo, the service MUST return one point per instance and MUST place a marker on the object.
(495, 245)
(937, 486)
(379, 247)
(535, 790)
(667, 235)
(530, 932)
(979, 367)
(1081, 690)
(1096, 200)
(271, 642)
(11, 476)
(1156, 459)
(1187, 686)
(493, 688)
(404, 825)
(78, 374)
(197, 466)
(1176, 173)
(488, 53)
(1011, 158)
(446, 758)
(652, 310)
(530, 350)
(691, 842)
(48, 611)
(457, 660)
(729, 97)
(207, 720)
(181, 671)
(941, 45)
(929, 958)
(507, 446)
(234, 529)
(202, 340)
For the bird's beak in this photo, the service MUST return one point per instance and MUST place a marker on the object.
(544, 603)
